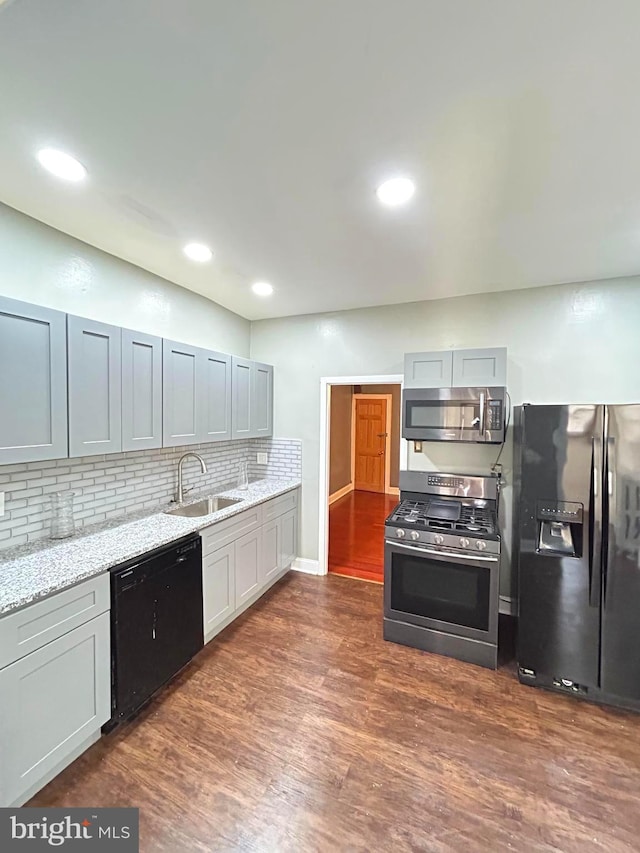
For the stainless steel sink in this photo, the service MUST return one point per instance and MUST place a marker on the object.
(204, 507)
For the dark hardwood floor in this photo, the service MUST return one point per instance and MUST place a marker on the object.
(300, 729)
(356, 534)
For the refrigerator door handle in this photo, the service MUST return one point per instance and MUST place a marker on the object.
(610, 497)
(595, 524)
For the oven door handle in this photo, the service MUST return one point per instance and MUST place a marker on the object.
(417, 549)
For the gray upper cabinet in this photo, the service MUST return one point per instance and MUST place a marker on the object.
(95, 377)
(141, 391)
(33, 383)
(262, 403)
(428, 369)
(215, 396)
(477, 367)
(180, 399)
(242, 393)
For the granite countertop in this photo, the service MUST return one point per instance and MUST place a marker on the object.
(36, 572)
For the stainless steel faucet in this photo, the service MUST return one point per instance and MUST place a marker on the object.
(180, 492)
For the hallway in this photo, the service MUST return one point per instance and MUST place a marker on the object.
(356, 534)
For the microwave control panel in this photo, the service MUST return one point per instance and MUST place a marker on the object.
(495, 414)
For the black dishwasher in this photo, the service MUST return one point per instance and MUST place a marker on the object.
(156, 622)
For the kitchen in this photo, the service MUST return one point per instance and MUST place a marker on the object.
(295, 724)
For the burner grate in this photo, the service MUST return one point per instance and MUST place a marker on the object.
(446, 515)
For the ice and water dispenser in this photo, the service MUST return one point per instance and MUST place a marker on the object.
(559, 529)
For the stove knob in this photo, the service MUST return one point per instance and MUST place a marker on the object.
(464, 543)
(438, 539)
(480, 545)
(414, 535)
(400, 534)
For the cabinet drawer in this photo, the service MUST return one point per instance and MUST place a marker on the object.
(224, 532)
(278, 506)
(38, 624)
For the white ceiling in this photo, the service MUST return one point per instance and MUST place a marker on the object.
(262, 128)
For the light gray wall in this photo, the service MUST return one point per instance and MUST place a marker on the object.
(565, 343)
(41, 265)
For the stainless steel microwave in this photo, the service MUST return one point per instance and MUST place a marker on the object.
(473, 415)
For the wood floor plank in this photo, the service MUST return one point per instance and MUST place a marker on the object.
(300, 729)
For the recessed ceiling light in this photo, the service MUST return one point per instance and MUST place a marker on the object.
(198, 252)
(61, 165)
(396, 191)
(262, 288)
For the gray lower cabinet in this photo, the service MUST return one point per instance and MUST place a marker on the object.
(52, 705)
(215, 394)
(244, 555)
(248, 557)
(479, 367)
(218, 587)
(288, 538)
(33, 383)
(271, 548)
(141, 391)
(428, 369)
(95, 383)
(180, 400)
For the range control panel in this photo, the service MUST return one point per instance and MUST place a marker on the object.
(566, 511)
(448, 482)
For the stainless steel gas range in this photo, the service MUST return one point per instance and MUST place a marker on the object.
(442, 566)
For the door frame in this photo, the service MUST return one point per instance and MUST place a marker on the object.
(387, 442)
(323, 473)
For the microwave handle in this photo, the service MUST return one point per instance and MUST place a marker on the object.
(482, 413)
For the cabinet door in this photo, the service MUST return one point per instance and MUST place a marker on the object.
(289, 538)
(51, 701)
(248, 557)
(478, 367)
(241, 395)
(141, 391)
(428, 369)
(262, 401)
(95, 399)
(215, 396)
(33, 383)
(179, 399)
(218, 587)
(271, 548)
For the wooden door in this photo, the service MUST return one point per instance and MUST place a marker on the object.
(370, 444)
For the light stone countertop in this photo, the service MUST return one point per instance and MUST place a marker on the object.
(54, 566)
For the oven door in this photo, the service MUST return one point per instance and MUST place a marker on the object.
(473, 415)
(442, 590)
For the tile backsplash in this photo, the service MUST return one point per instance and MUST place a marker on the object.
(108, 486)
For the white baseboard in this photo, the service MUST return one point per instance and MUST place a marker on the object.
(340, 493)
(309, 567)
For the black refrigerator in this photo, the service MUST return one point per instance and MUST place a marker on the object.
(577, 549)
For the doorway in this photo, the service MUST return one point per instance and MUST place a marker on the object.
(363, 451)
